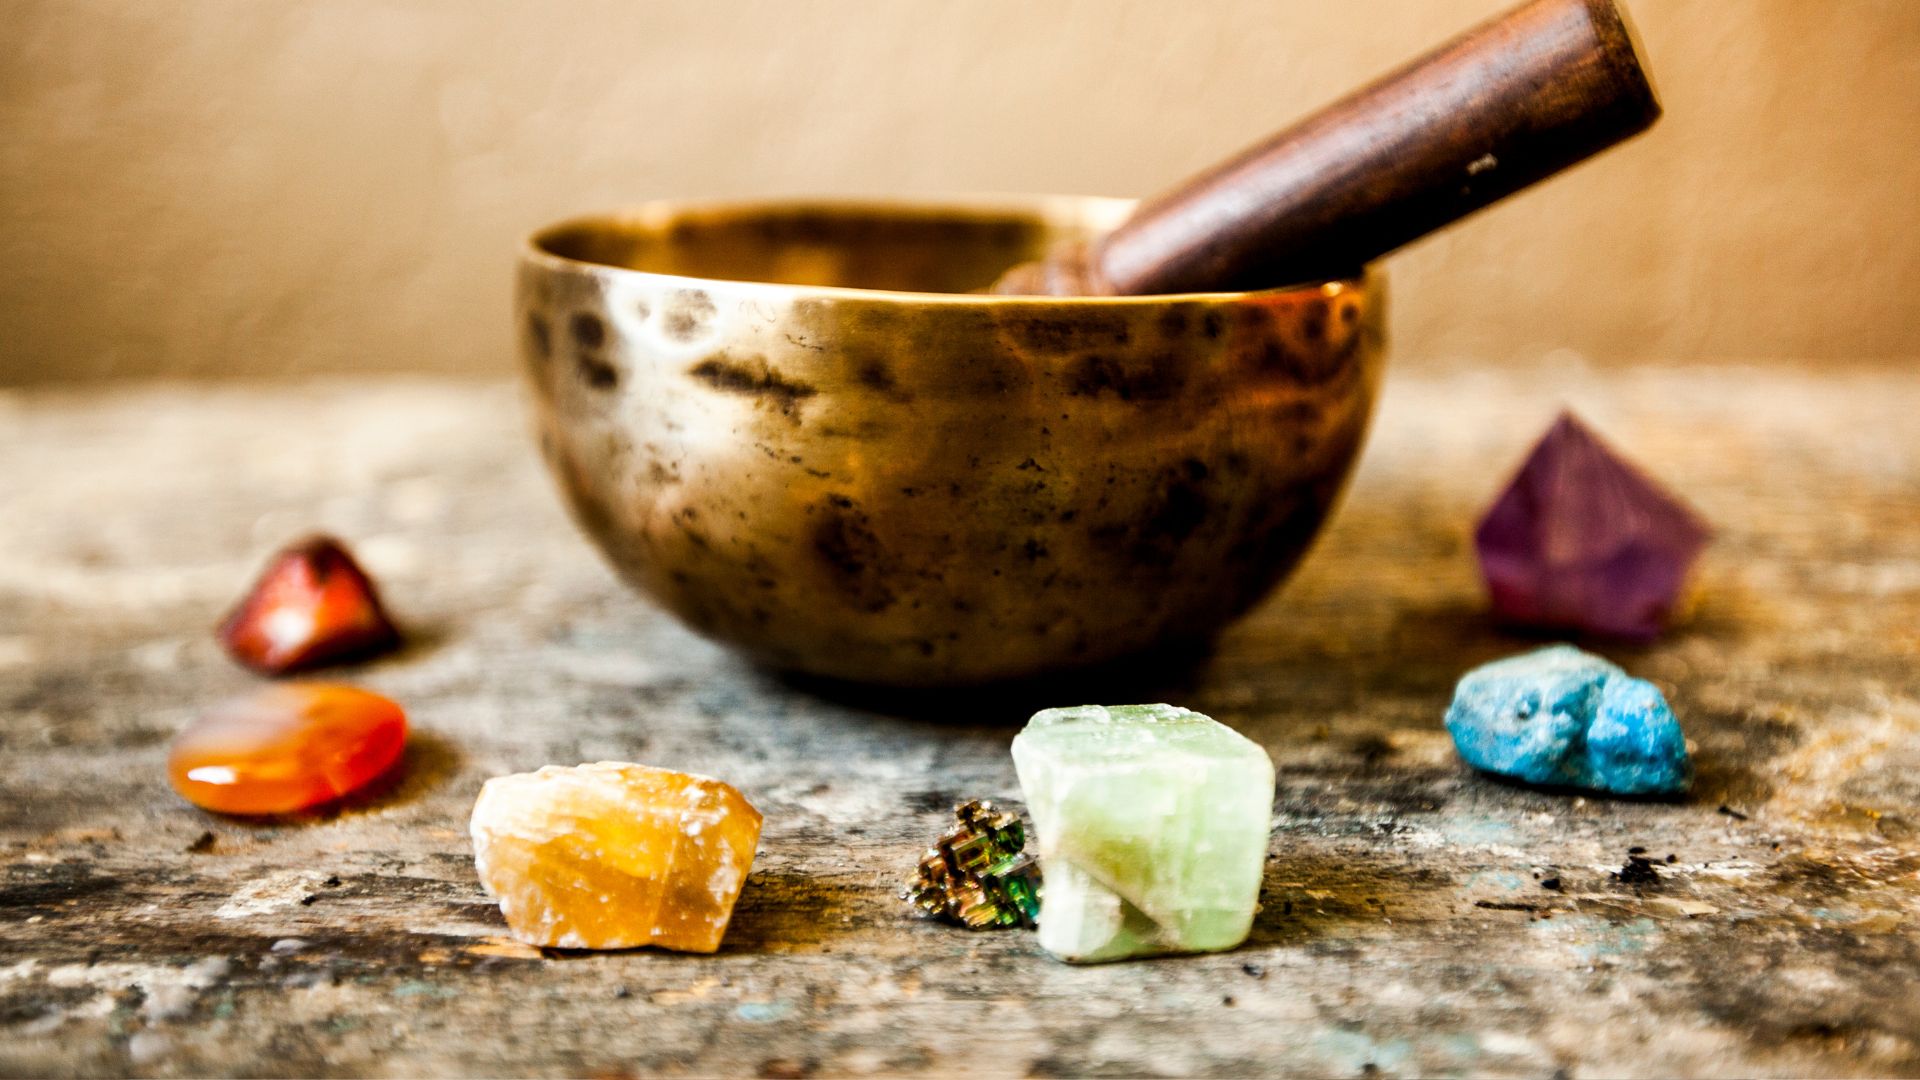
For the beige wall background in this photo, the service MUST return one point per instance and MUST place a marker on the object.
(214, 187)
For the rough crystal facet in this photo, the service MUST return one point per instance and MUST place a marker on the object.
(312, 606)
(978, 874)
(287, 748)
(1152, 825)
(1562, 717)
(614, 856)
(1581, 540)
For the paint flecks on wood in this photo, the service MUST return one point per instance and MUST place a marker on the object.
(1409, 925)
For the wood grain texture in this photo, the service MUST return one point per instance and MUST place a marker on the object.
(1405, 930)
(1500, 107)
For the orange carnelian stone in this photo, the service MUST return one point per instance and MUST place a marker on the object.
(312, 606)
(614, 856)
(286, 748)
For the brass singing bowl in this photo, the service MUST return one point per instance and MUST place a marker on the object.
(791, 425)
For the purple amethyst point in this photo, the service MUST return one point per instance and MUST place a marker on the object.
(1582, 540)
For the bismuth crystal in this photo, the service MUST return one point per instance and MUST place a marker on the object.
(312, 606)
(287, 748)
(1566, 718)
(614, 856)
(978, 874)
(1152, 825)
(1581, 540)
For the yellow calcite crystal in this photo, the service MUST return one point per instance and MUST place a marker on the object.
(614, 856)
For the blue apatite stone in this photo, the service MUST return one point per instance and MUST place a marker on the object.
(1562, 717)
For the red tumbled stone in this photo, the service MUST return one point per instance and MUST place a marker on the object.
(287, 748)
(1581, 540)
(312, 606)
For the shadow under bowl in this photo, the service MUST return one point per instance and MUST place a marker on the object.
(790, 424)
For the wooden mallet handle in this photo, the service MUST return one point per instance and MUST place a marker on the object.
(1506, 104)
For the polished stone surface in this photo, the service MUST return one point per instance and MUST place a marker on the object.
(286, 748)
(312, 606)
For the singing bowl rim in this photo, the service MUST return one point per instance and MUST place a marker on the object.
(594, 436)
(1065, 215)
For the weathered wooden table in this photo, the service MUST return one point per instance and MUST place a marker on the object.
(1406, 927)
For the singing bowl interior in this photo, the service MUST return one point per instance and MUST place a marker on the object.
(791, 426)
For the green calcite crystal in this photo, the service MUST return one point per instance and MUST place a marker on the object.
(1152, 826)
(978, 874)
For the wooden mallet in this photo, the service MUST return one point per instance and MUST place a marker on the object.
(1504, 105)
